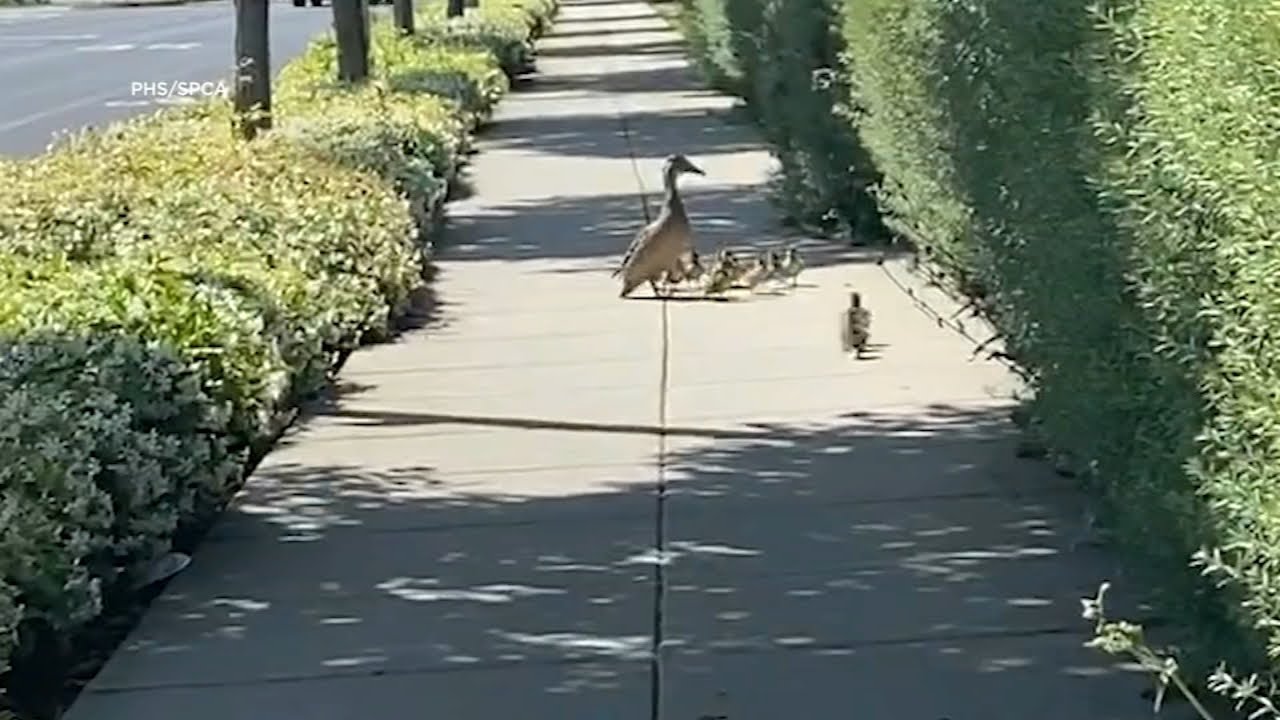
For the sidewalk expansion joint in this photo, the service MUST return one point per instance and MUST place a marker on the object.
(660, 540)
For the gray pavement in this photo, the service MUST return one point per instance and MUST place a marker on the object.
(65, 68)
(502, 514)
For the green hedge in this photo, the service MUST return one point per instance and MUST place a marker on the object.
(168, 293)
(1105, 176)
(504, 29)
(781, 56)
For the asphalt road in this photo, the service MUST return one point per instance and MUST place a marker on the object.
(66, 68)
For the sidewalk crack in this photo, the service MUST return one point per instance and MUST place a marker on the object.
(660, 520)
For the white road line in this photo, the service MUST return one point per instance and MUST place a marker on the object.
(155, 34)
(57, 110)
(46, 38)
(179, 100)
(106, 48)
(13, 16)
(173, 46)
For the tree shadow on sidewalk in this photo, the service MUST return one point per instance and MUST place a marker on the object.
(694, 132)
(918, 541)
(655, 47)
(601, 227)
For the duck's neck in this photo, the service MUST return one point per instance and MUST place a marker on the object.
(669, 185)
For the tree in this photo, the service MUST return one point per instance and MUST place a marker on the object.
(253, 67)
(351, 27)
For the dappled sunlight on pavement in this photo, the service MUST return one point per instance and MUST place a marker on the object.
(492, 516)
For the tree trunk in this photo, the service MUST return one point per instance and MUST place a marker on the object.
(351, 28)
(253, 67)
(404, 16)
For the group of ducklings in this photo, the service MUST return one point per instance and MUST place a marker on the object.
(727, 271)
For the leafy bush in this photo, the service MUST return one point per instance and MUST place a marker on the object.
(177, 181)
(1194, 181)
(416, 141)
(58, 521)
(218, 330)
(167, 290)
(782, 57)
(10, 609)
(505, 30)
(166, 401)
(1103, 178)
(1108, 183)
(109, 444)
(259, 264)
(409, 125)
(470, 77)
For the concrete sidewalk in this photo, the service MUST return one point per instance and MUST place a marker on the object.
(472, 529)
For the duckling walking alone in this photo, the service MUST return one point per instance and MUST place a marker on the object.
(855, 326)
(658, 246)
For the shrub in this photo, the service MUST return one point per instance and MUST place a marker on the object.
(167, 290)
(782, 57)
(497, 36)
(58, 520)
(1193, 182)
(180, 180)
(1102, 177)
(216, 329)
(257, 263)
(1110, 188)
(717, 45)
(415, 141)
(108, 445)
(166, 403)
(10, 609)
(471, 78)
(505, 30)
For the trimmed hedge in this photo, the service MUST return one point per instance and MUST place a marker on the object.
(782, 57)
(506, 30)
(110, 444)
(1104, 178)
(168, 293)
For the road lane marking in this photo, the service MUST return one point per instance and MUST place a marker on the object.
(47, 38)
(13, 16)
(106, 48)
(58, 110)
(173, 46)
